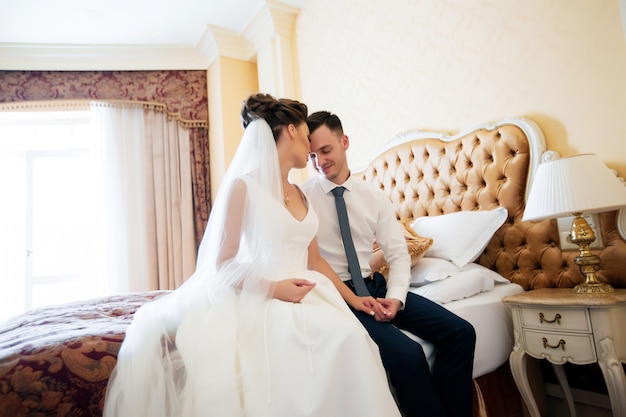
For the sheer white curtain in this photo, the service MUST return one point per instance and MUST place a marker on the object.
(146, 236)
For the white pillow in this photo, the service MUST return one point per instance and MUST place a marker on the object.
(461, 236)
(429, 270)
(456, 287)
(493, 275)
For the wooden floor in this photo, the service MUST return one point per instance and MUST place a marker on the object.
(590, 405)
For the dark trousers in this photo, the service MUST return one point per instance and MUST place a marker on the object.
(447, 390)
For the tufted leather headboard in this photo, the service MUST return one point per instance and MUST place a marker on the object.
(429, 174)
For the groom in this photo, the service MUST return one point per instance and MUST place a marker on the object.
(447, 389)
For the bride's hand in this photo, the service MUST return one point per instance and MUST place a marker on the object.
(292, 290)
(371, 306)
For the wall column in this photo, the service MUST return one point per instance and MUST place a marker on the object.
(231, 78)
(272, 33)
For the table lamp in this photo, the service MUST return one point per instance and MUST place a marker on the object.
(576, 186)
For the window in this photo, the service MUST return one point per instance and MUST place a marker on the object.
(95, 201)
(46, 214)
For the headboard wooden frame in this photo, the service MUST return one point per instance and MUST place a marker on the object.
(491, 165)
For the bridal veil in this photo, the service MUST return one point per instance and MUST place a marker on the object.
(151, 377)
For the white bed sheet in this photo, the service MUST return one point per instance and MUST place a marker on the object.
(493, 324)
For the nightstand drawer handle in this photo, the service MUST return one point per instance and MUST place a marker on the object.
(546, 345)
(557, 318)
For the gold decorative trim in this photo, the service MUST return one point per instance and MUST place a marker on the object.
(52, 105)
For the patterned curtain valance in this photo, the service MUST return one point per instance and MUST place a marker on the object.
(184, 92)
(85, 104)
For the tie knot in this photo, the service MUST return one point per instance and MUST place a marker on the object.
(338, 191)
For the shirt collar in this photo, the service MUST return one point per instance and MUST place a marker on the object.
(327, 185)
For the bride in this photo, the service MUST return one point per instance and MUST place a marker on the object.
(259, 330)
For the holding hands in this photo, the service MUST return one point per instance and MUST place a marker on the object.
(382, 309)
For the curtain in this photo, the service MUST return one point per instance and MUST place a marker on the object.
(180, 93)
(147, 228)
(200, 180)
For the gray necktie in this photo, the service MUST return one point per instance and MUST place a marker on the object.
(346, 236)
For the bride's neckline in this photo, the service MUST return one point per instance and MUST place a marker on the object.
(286, 202)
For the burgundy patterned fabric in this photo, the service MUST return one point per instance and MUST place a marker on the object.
(56, 361)
(183, 92)
(200, 179)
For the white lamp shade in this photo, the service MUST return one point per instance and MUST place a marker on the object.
(574, 184)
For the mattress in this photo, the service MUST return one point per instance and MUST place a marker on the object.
(493, 324)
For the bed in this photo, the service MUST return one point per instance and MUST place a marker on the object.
(431, 176)
(56, 360)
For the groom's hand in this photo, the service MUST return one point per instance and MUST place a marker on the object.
(391, 307)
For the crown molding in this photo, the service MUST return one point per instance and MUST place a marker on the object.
(274, 18)
(34, 57)
(218, 41)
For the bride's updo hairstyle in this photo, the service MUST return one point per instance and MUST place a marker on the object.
(276, 112)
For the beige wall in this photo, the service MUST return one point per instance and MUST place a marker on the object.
(230, 81)
(389, 66)
(241, 79)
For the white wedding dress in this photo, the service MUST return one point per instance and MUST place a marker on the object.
(262, 357)
(307, 359)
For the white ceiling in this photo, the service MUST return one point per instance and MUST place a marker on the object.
(72, 33)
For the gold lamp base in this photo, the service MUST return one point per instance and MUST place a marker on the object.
(582, 235)
(591, 288)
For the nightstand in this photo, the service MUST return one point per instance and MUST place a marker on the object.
(560, 326)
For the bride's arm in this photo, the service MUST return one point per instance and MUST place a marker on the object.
(232, 223)
(291, 290)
